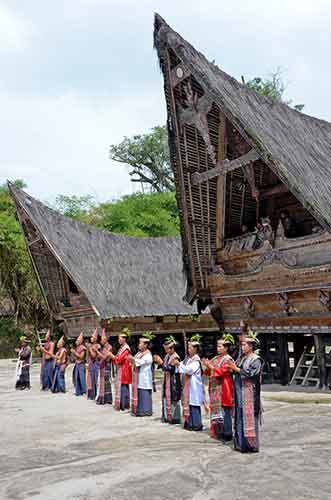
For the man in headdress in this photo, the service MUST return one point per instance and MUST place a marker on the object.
(92, 365)
(171, 387)
(47, 362)
(79, 372)
(193, 393)
(23, 364)
(247, 396)
(104, 392)
(124, 372)
(61, 362)
(220, 389)
(141, 402)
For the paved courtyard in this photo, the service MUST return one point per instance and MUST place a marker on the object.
(62, 447)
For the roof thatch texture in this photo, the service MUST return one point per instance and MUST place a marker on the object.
(296, 146)
(120, 275)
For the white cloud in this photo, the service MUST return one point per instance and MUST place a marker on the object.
(60, 144)
(14, 31)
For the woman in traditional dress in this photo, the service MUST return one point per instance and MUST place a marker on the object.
(79, 372)
(171, 387)
(23, 365)
(124, 372)
(247, 396)
(92, 365)
(47, 363)
(104, 392)
(141, 402)
(220, 390)
(61, 362)
(193, 393)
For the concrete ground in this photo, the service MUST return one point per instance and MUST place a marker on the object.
(62, 447)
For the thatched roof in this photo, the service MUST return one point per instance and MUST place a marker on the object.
(297, 147)
(120, 275)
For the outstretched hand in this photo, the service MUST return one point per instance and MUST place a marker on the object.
(206, 362)
(157, 359)
(232, 365)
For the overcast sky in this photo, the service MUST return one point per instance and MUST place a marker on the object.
(78, 75)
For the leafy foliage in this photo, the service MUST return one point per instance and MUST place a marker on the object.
(153, 214)
(76, 207)
(273, 87)
(17, 279)
(147, 157)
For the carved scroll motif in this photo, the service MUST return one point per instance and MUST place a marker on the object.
(271, 256)
(284, 303)
(249, 307)
(324, 297)
(196, 114)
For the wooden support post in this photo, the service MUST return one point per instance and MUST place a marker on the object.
(320, 356)
(284, 364)
(221, 184)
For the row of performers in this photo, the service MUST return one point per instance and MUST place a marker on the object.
(234, 386)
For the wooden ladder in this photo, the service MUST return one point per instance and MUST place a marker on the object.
(303, 373)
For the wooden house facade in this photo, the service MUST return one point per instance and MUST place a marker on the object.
(92, 278)
(253, 181)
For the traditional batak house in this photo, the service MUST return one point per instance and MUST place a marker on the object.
(92, 278)
(253, 180)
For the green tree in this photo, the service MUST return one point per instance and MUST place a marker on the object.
(76, 207)
(152, 214)
(17, 280)
(273, 87)
(147, 157)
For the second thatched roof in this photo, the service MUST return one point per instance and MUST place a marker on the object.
(120, 275)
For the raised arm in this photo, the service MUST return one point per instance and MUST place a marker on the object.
(145, 360)
(253, 370)
(189, 369)
(120, 359)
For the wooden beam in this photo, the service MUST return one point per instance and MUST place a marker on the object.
(272, 191)
(221, 184)
(30, 243)
(225, 166)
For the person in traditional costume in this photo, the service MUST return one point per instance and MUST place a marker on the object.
(47, 363)
(193, 391)
(61, 363)
(79, 372)
(220, 390)
(141, 402)
(247, 396)
(92, 365)
(24, 360)
(171, 387)
(104, 392)
(124, 372)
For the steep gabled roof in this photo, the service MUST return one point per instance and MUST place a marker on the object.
(120, 275)
(297, 147)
